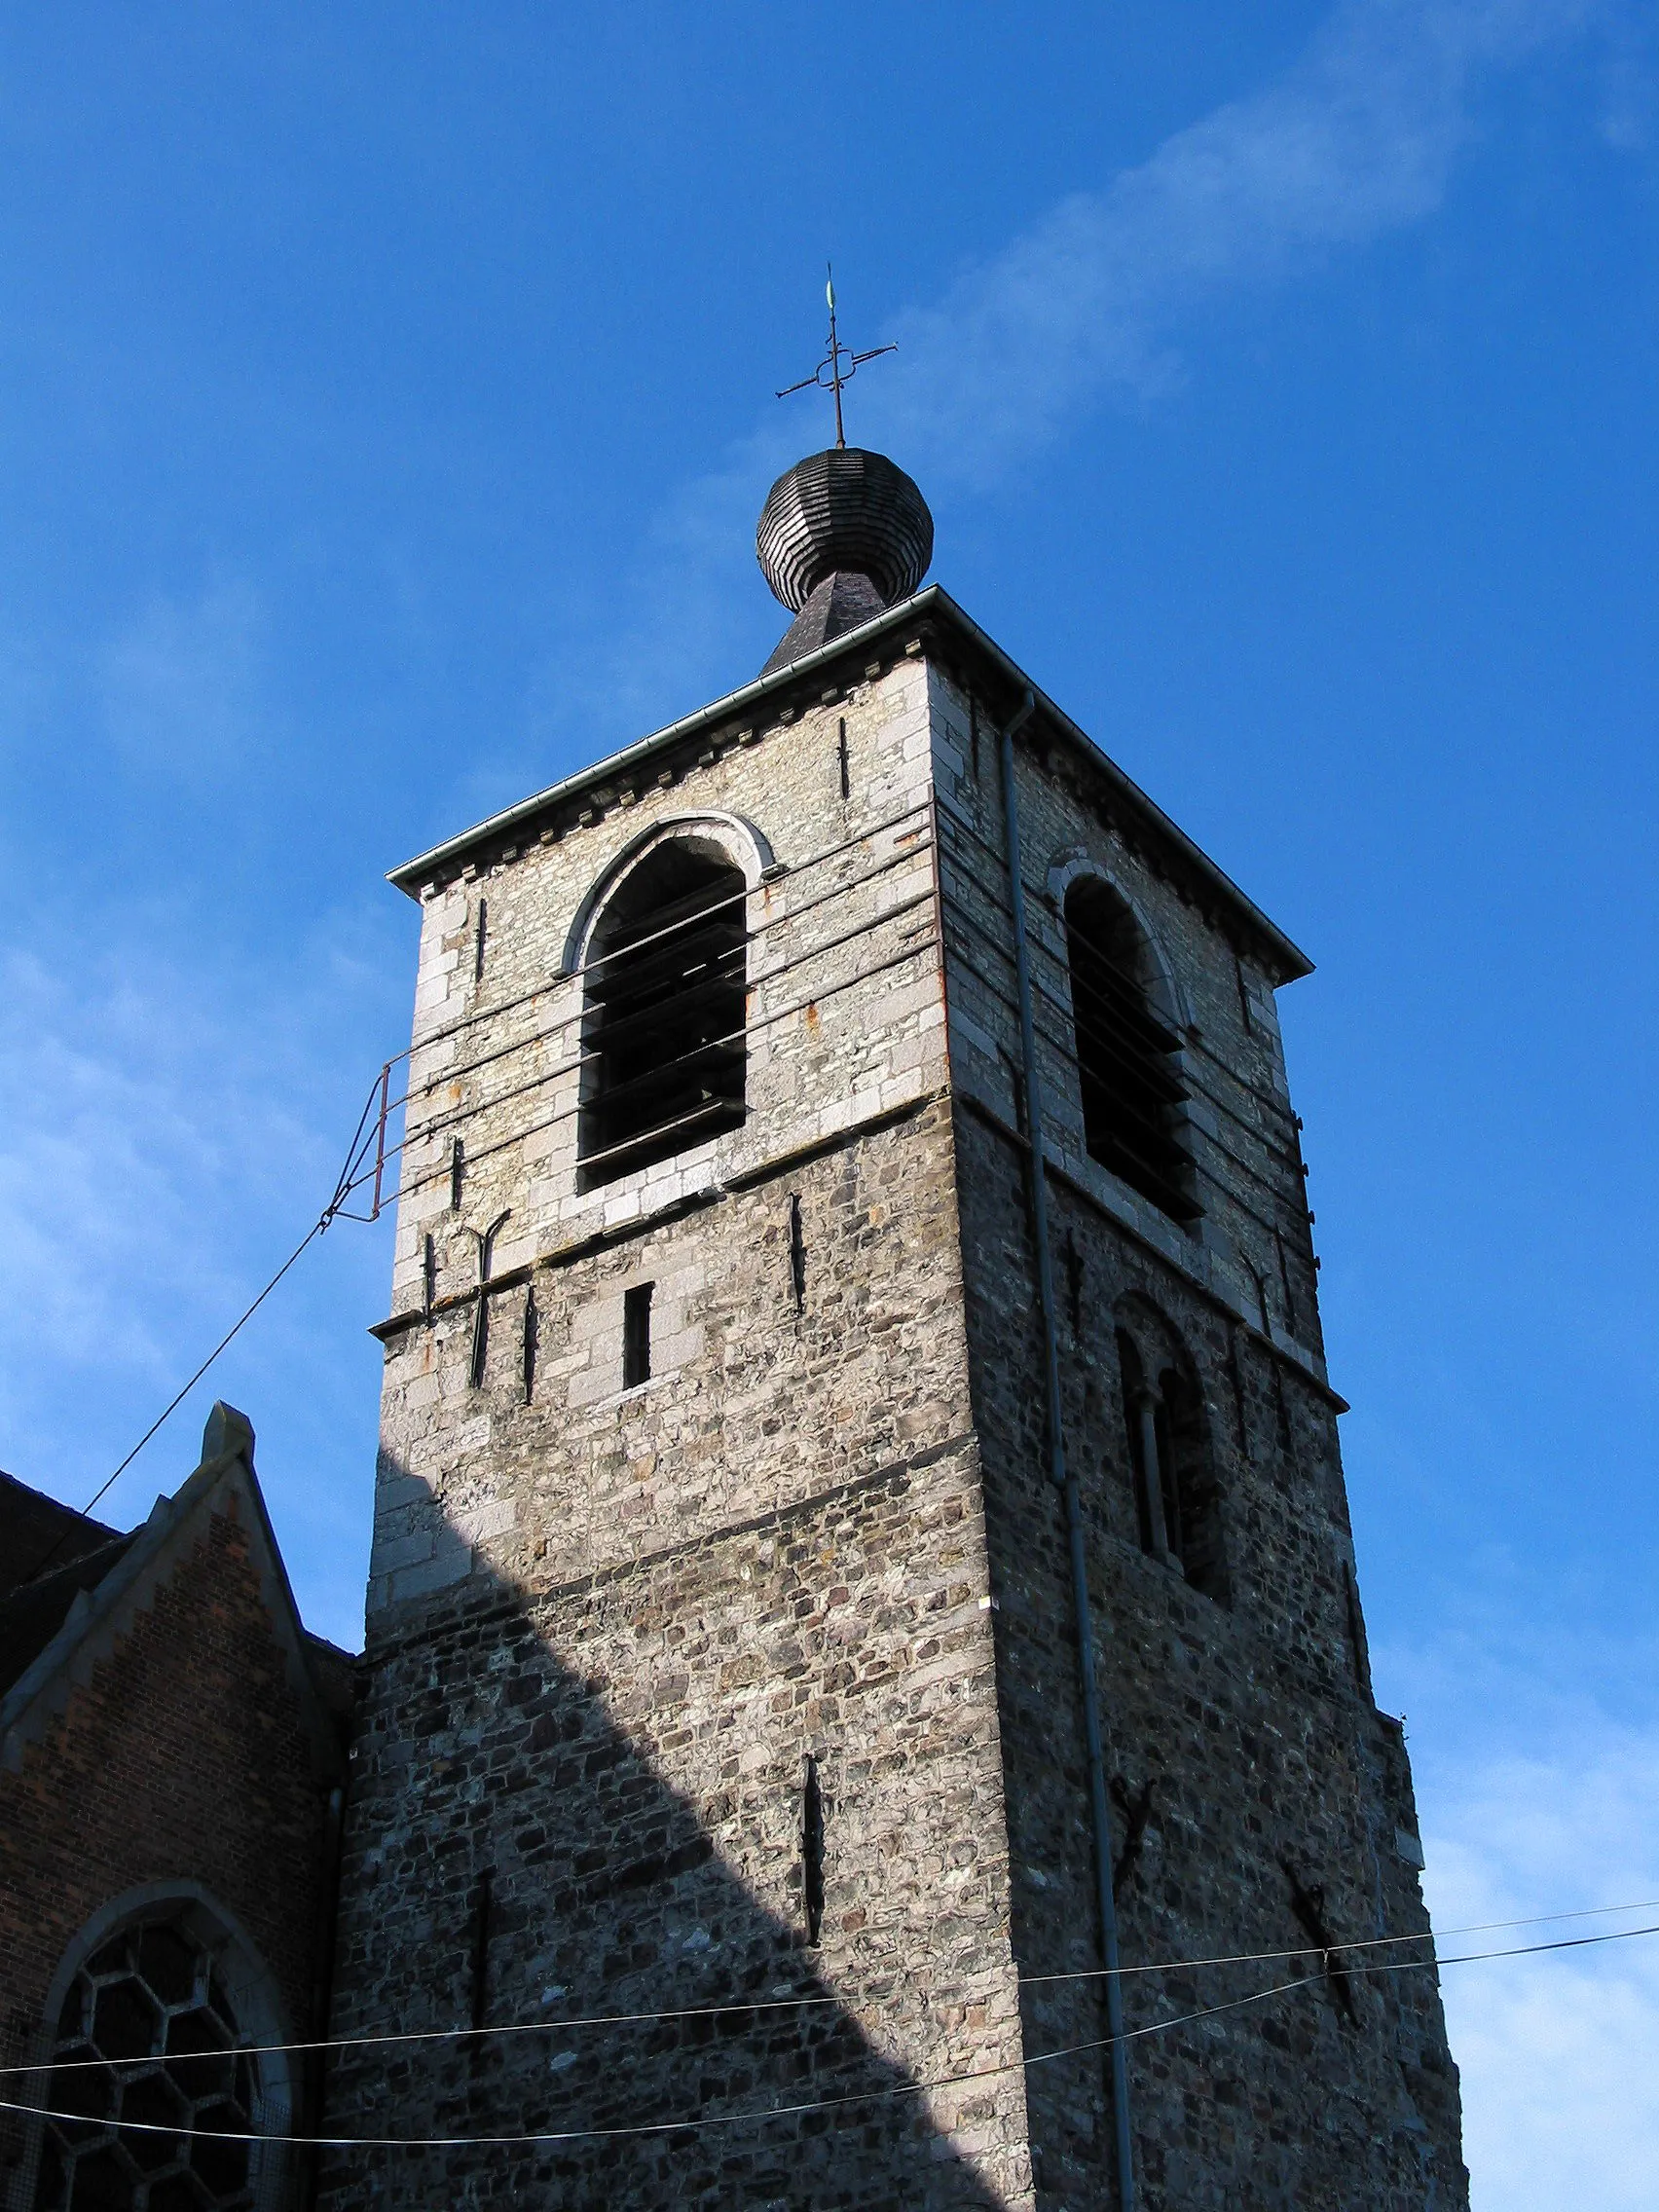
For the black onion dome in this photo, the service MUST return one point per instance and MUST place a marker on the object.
(844, 510)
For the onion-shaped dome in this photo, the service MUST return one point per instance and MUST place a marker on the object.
(849, 511)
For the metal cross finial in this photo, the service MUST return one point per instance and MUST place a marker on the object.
(832, 360)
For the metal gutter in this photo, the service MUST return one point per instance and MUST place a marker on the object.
(412, 872)
(932, 600)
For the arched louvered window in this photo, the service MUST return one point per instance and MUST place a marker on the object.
(1129, 1079)
(663, 1020)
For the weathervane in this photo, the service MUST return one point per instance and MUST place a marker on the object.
(832, 359)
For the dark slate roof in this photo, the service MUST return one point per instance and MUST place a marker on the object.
(36, 1531)
(32, 1612)
(839, 603)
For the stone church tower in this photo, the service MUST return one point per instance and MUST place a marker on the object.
(860, 1545)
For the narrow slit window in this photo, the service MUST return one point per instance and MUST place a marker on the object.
(531, 1341)
(1191, 1486)
(1126, 1051)
(663, 1024)
(1177, 1499)
(637, 1336)
(812, 1853)
(482, 1905)
(798, 1255)
(1140, 1435)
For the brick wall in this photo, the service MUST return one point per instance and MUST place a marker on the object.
(184, 1757)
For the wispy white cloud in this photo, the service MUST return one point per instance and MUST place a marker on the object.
(141, 1114)
(1360, 138)
(694, 581)
(174, 1122)
(1537, 1796)
(1560, 2054)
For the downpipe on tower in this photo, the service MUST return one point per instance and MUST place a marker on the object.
(1062, 1476)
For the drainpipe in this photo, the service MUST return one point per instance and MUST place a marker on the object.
(322, 1988)
(1064, 1481)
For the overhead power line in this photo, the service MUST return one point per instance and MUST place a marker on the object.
(566, 2025)
(527, 2138)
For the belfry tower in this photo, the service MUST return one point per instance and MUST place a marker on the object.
(868, 1696)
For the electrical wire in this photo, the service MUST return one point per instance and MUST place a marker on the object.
(527, 2138)
(1038, 894)
(1067, 1053)
(766, 924)
(523, 998)
(356, 1175)
(356, 1153)
(586, 1057)
(786, 2003)
(767, 1021)
(85, 1512)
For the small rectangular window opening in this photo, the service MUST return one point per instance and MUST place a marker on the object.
(637, 1336)
(458, 1169)
(846, 761)
(478, 948)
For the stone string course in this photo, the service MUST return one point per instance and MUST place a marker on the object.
(609, 1628)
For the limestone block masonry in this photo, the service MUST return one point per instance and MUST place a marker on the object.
(739, 1705)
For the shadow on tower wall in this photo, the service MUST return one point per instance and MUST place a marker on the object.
(594, 1799)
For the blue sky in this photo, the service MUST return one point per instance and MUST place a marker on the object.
(385, 407)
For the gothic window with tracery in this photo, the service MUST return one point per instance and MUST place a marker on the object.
(146, 2058)
(1130, 1078)
(663, 1046)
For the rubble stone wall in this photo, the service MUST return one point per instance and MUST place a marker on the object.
(609, 1626)
(668, 1680)
(1250, 1770)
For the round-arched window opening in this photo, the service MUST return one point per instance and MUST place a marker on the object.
(663, 1020)
(165, 2104)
